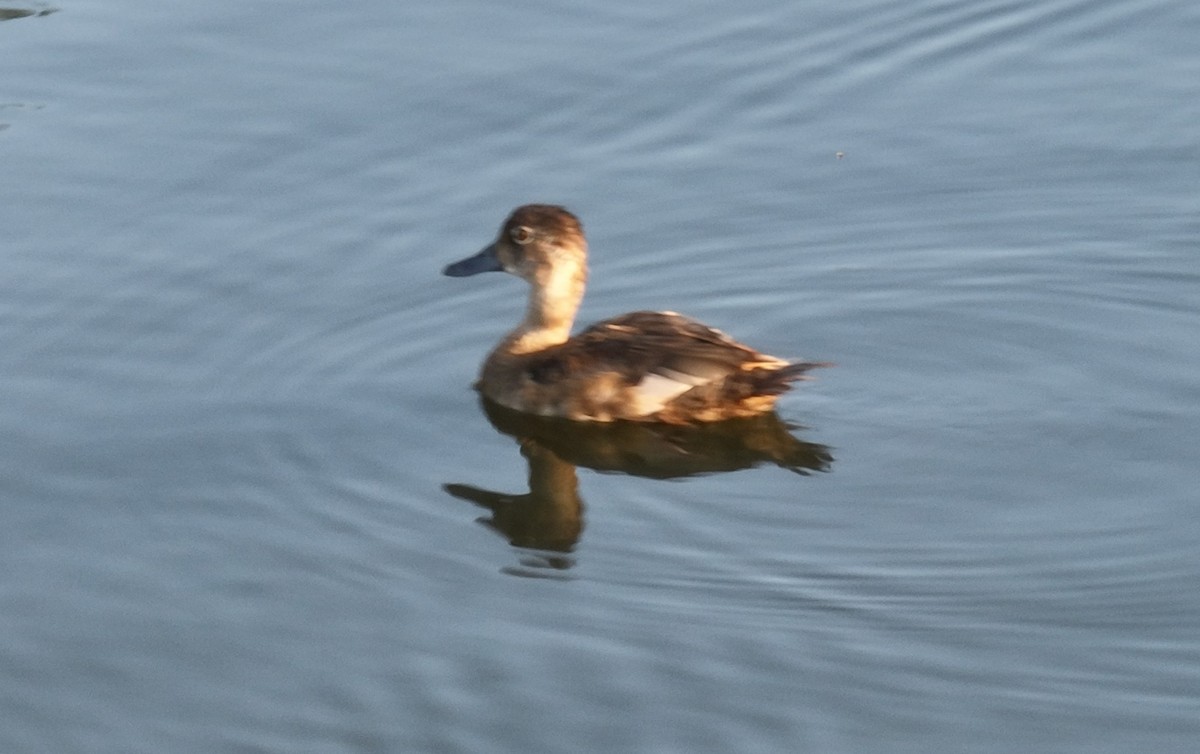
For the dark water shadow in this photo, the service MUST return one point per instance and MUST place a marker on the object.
(10, 14)
(547, 522)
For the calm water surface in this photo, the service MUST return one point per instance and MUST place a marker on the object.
(248, 501)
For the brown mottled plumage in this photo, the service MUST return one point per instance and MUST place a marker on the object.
(642, 366)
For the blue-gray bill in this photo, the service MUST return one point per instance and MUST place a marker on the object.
(485, 261)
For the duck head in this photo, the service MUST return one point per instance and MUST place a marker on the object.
(537, 243)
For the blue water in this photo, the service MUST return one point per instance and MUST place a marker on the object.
(238, 446)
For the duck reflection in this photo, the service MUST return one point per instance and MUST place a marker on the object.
(546, 523)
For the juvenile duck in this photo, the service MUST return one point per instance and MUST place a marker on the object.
(641, 366)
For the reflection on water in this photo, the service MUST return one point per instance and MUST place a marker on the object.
(549, 518)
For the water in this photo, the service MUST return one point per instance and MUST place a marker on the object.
(250, 503)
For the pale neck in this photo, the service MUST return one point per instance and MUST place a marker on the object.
(553, 301)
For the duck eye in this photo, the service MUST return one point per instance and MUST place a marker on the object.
(521, 234)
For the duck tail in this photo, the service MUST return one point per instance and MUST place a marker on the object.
(774, 382)
(798, 370)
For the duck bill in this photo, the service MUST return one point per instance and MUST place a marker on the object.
(486, 260)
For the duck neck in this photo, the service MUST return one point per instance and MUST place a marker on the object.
(554, 298)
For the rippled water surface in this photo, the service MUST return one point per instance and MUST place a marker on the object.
(248, 501)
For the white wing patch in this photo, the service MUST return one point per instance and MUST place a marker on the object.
(657, 390)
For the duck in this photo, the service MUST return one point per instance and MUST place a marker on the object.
(644, 366)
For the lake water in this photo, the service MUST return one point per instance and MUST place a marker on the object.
(249, 503)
